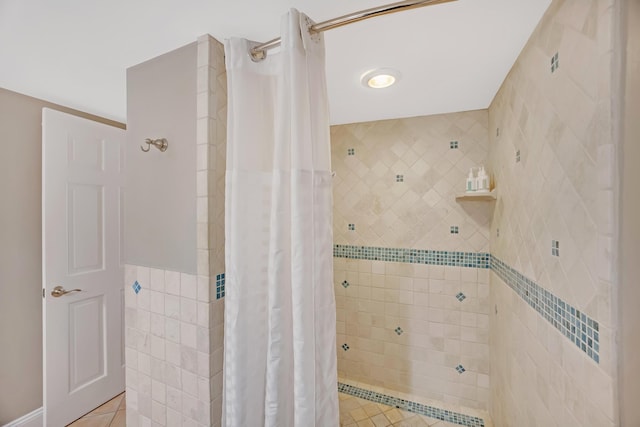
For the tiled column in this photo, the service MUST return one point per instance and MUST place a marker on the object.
(211, 159)
(173, 320)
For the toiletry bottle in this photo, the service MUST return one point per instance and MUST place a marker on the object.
(482, 180)
(485, 177)
(471, 182)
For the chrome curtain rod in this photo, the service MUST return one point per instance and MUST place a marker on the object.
(259, 52)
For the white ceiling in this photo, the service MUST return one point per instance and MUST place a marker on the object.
(452, 57)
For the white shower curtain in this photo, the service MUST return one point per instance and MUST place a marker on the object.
(280, 337)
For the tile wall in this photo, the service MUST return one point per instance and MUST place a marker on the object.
(173, 333)
(552, 154)
(406, 319)
(174, 321)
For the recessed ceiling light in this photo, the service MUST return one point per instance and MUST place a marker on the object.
(380, 78)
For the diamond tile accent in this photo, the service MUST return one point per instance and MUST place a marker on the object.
(351, 152)
(352, 227)
(554, 62)
(460, 369)
(555, 248)
(460, 296)
(345, 284)
(453, 144)
(417, 213)
(399, 178)
(345, 347)
(454, 229)
(413, 407)
(136, 287)
(399, 330)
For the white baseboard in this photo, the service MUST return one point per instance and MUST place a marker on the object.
(32, 419)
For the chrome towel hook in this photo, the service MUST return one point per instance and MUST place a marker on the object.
(161, 144)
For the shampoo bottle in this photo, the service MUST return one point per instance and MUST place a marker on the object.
(482, 180)
(471, 182)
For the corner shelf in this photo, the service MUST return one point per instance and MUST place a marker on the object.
(477, 197)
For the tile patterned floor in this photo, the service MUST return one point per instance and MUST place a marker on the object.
(354, 412)
(110, 414)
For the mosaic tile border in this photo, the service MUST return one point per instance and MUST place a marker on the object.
(220, 286)
(414, 256)
(575, 325)
(579, 328)
(414, 407)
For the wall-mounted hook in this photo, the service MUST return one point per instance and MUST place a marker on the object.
(161, 144)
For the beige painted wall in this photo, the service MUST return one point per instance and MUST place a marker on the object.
(160, 193)
(20, 252)
(629, 294)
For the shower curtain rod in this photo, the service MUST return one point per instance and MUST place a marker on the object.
(259, 52)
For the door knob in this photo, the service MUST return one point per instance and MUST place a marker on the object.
(58, 291)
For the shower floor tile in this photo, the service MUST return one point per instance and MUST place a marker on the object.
(356, 412)
(403, 409)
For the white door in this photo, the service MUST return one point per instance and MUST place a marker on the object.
(82, 181)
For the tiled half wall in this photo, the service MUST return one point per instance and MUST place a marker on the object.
(173, 348)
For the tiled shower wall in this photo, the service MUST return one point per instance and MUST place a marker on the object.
(406, 324)
(552, 153)
(174, 321)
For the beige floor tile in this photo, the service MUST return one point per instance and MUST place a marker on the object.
(354, 412)
(430, 421)
(445, 424)
(414, 421)
(394, 415)
(120, 420)
(359, 414)
(101, 420)
(366, 423)
(346, 419)
(349, 405)
(406, 414)
(110, 406)
(383, 407)
(380, 420)
(371, 409)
